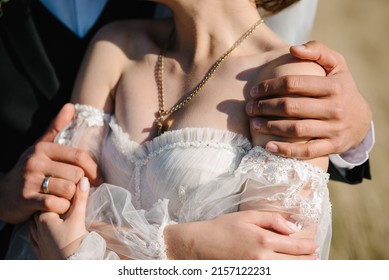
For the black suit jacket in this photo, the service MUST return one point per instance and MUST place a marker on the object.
(39, 59)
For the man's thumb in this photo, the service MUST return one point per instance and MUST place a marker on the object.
(317, 52)
(63, 118)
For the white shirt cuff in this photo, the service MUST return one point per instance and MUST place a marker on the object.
(356, 156)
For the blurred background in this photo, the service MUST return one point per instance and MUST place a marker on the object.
(360, 31)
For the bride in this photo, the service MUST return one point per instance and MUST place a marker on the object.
(160, 105)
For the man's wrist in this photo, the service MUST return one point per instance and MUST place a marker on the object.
(356, 156)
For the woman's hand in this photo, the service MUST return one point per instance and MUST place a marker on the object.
(240, 235)
(58, 237)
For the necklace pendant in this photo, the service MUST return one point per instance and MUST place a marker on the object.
(160, 127)
(163, 124)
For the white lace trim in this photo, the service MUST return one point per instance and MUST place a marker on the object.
(158, 247)
(184, 138)
(141, 154)
(89, 115)
(295, 173)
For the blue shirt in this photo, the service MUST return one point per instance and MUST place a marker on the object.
(77, 15)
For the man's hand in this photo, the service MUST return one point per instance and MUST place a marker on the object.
(21, 193)
(239, 235)
(329, 110)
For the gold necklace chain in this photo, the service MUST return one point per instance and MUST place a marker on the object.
(163, 114)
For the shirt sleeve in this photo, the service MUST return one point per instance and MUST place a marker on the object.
(356, 156)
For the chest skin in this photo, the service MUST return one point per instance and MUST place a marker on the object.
(219, 104)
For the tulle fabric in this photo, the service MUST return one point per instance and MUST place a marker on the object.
(182, 176)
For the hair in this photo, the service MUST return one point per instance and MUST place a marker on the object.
(273, 6)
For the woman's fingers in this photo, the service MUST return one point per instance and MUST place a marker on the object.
(269, 220)
(273, 236)
(78, 208)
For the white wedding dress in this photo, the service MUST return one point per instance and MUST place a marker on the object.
(181, 176)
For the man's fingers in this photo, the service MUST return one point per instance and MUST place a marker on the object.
(49, 203)
(312, 149)
(293, 129)
(62, 188)
(63, 118)
(56, 186)
(316, 51)
(68, 163)
(55, 169)
(302, 85)
(291, 107)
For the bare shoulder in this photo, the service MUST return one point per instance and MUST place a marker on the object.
(133, 36)
(115, 47)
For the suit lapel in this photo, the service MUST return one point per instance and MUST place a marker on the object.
(23, 39)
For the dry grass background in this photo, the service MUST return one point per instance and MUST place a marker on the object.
(360, 31)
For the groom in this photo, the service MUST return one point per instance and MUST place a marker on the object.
(40, 51)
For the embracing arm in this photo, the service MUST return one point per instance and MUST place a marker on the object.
(285, 66)
(289, 186)
(324, 100)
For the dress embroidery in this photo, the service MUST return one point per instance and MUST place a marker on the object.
(297, 174)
